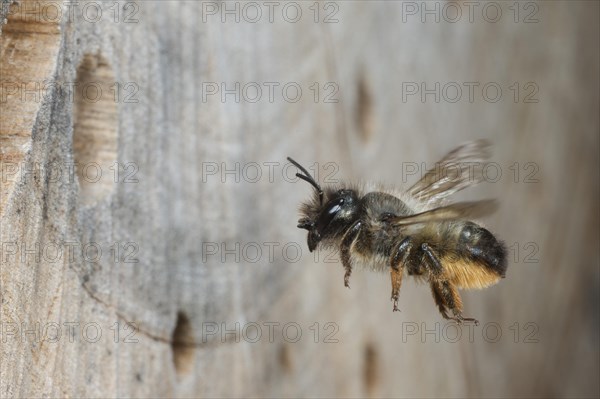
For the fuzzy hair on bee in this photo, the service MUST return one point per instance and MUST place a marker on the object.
(415, 232)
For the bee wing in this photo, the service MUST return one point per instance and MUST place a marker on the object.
(459, 210)
(460, 168)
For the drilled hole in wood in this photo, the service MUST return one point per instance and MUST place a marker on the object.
(95, 129)
(365, 120)
(182, 344)
(370, 368)
(285, 359)
(29, 45)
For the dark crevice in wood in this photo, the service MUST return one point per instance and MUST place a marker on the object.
(182, 344)
(370, 368)
(364, 110)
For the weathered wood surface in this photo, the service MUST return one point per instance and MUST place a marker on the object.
(177, 293)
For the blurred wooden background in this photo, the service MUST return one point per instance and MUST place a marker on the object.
(63, 320)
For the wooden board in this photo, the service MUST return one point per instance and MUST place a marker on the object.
(202, 254)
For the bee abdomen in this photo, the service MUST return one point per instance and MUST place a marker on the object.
(478, 260)
(480, 245)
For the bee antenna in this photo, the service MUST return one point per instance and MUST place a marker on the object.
(308, 178)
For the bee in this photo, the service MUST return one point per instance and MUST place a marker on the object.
(415, 232)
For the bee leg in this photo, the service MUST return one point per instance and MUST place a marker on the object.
(398, 260)
(439, 299)
(453, 301)
(445, 289)
(432, 263)
(347, 241)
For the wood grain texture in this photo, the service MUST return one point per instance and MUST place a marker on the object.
(172, 210)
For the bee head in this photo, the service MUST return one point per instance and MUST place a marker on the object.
(328, 214)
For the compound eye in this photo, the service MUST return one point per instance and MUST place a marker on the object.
(330, 212)
(335, 207)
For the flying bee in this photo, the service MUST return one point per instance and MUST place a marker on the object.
(415, 231)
